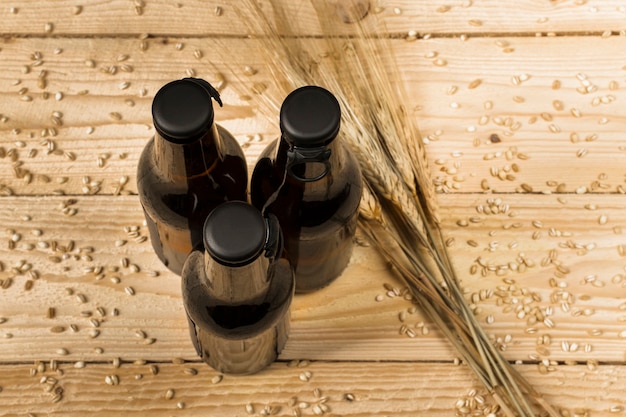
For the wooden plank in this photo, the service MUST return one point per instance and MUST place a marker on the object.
(467, 142)
(541, 256)
(86, 95)
(561, 113)
(374, 389)
(543, 272)
(199, 17)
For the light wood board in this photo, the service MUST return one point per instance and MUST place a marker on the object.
(521, 107)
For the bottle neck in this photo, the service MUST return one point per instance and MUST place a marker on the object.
(307, 170)
(246, 284)
(188, 160)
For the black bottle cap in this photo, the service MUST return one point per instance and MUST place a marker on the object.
(310, 117)
(182, 110)
(235, 233)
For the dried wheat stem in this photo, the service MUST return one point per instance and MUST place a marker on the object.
(462, 336)
(433, 305)
(399, 203)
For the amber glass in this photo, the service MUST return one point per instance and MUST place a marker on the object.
(238, 311)
(317, 216)
(179, 184)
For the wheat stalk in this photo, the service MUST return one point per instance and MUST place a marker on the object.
(399, 211)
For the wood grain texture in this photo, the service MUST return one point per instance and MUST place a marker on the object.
(199, 17)
(542, 256)
(376, 388)
(522, 111)
(492, 119)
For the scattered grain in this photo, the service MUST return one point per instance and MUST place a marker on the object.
(62, 352)
(112, 380)
(554, 128)
(526, 187)
(475, 83)
(249, 71)
(558, 105)
(57, 329)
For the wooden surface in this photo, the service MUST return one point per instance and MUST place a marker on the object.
(523, 111)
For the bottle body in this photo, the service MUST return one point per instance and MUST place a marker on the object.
(237, 292)
(318, 218)
(176, 201)
(242, 337)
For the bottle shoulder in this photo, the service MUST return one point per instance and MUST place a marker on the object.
(145, 157)
(209, 182)
(212, 159)
(270, 150)
(229, 321)
(335, 195)
(344, 165)
(193, 274)
(229, 144)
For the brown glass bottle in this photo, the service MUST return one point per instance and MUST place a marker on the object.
(188, 168)
(237, 292)
(312, 183)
